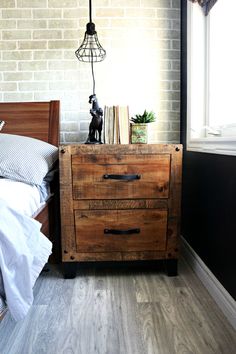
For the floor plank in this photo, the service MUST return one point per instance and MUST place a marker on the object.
(119, 309)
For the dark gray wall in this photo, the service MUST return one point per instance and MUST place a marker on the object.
(209, 198)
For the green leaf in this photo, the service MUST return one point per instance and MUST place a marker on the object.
(146, 117)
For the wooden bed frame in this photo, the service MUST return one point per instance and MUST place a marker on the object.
(38, 120)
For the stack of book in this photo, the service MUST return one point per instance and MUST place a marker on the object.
(116, 125)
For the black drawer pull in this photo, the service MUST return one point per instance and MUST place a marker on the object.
(122, 177)
(121, 232)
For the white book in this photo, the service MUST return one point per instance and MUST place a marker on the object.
(116, 125)
(124, 124)
(111, 125)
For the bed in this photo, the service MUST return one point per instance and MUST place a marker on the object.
(20, 174)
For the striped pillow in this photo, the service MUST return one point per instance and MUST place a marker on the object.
(25, 159)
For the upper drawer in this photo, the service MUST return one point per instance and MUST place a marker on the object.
(121, 176)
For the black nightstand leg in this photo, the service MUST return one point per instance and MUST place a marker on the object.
(172, 267)
(69, 270)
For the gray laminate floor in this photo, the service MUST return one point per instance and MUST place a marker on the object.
(120, 310)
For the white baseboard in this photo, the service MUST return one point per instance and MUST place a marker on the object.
(223, 299)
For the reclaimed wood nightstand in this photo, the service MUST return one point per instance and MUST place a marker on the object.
(120, 203)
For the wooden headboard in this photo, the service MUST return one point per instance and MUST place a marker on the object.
(38, 120)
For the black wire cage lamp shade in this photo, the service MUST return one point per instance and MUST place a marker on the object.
(90, 50)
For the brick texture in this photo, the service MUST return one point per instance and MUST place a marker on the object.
(142, 68)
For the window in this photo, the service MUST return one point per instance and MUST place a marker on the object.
(211, 108)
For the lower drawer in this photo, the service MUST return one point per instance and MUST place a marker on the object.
(120, 230)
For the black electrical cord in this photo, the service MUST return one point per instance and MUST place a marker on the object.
(90, 20)
(93, 74)
(90, 10)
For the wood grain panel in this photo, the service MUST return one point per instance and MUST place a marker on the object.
(90, 226)
(125, 309)
(91, 203)
(115, 256)
(89, 182)
(66, 204)
(132, 158)
(122, 149)
(38, 120)
(121, 204)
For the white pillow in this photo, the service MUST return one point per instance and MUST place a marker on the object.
(25, 159)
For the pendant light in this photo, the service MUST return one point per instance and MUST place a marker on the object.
(90, 50)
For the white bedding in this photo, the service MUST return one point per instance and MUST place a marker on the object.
(24, 198)
(23, 252)
(23, 248)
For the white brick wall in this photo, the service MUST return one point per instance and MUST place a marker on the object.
(38, 39)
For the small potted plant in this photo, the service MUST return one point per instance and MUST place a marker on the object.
(139, 127)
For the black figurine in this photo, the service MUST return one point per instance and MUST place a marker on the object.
(95, 126)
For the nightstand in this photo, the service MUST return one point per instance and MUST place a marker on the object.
(120, 203)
